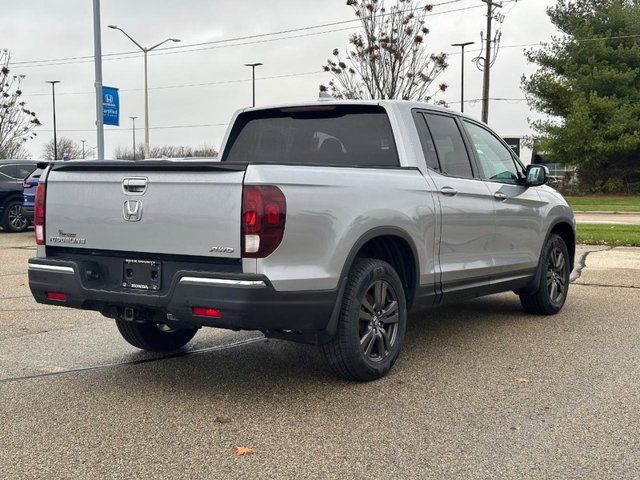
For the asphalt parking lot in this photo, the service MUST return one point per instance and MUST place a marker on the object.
(481, 390)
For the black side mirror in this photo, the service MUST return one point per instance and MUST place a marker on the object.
(536, 175)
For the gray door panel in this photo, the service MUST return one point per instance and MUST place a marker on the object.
(518, 227)
(518, 209)
(467, 230)
(466, 206)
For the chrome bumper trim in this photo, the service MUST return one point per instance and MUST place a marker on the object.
(51, 268)
(223, 282)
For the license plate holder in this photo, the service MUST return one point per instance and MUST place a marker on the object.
(142, 274)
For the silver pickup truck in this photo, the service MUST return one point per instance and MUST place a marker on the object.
(322, 223)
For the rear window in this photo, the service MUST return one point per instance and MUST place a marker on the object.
(320, 135)
(35, 174)
(25, 170)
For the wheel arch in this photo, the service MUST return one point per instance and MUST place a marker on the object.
(563, 227)
(393, 245)
(10, 197)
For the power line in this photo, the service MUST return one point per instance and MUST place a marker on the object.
(496, 99)
(200, 125)
(542, 44)
(127, 130)
(216, 44)
(184, 85)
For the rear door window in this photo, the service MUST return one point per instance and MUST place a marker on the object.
(449, 145)
(342, 135)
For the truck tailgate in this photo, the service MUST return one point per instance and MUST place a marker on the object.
(142, 208)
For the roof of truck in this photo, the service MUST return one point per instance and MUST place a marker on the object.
(405, 104)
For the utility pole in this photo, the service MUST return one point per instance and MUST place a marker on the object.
(487, 60)
(97, 56)
(83, 142)
(133, 129)
(55, 136)
(462, 46)
(253, 78)
(145, 51)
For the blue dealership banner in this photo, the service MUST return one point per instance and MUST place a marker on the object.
(110, 106)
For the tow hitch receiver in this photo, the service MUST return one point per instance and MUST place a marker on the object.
(129, 314)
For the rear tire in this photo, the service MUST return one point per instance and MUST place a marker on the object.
(13, 220)
(154, 337)
(372, 323)
(553, 284)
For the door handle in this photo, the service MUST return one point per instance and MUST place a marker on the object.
(448, 191)
(500, 196)
(134, 185)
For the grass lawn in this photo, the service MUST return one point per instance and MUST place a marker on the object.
(605, 203)
(613, 235)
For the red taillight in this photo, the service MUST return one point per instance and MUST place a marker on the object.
(264, 211)
(206, 312)
(38, 213)
(57, 296)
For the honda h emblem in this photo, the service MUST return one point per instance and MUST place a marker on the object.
(132, 210)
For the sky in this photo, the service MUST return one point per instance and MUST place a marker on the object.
(196, 92)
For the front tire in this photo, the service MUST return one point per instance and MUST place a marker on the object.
(13, 220)
(154, 337)
(372, 323)
(553, 285)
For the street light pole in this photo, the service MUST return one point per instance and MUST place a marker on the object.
(55, 136)
(97, 59)
(462, 46)
(83, 142)
(253, 79)
(145, 51)
(133, 129)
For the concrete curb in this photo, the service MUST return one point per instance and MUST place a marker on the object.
(604, 212)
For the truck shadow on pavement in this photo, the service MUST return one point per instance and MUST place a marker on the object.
(264, 368)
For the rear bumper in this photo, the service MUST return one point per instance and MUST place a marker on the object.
(245, 302)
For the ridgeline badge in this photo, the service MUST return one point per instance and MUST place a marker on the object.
(67, 238)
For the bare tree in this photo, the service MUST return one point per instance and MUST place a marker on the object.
(16, 120)
(389, 58)
(169, 151)
(126, 153)
(67, 148)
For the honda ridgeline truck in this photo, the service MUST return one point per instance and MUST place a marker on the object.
(322, 223)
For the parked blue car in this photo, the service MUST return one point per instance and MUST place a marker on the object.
(29, 194)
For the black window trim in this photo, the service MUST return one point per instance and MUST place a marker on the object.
(475, 171)
(514, 157)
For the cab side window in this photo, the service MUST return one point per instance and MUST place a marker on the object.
(495, 159)
(452, 153)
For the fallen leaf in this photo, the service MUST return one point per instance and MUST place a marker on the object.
(223, 419)
(522, 380)
(242, 451)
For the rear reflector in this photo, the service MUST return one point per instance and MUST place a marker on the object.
(206, 312)
(57, 296)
